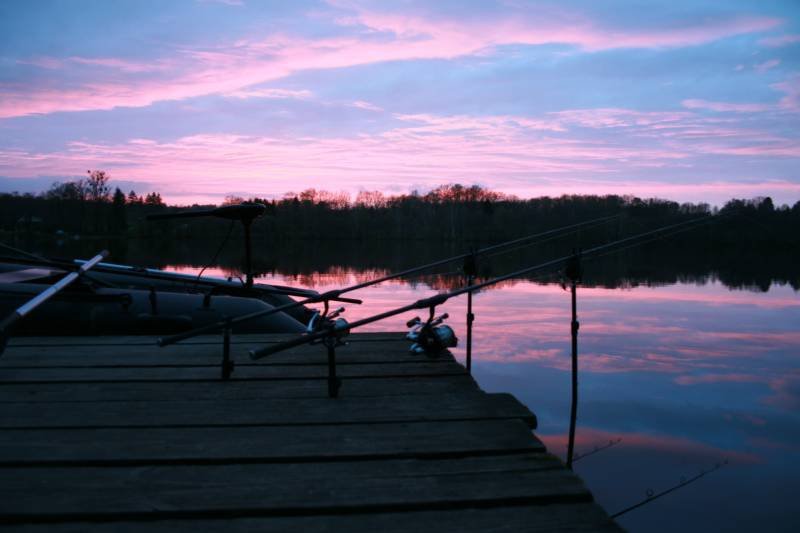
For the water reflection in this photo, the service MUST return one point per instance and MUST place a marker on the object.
(685, 370)
(686, 374)
(653, 264)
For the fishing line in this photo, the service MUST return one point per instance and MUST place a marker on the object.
(649, 240)
(597, 449)
(549, 239)
(650, 496)
(336, 295)
(517, 247)
(216, 254)
(59, 264)
(425, 303)
(27, 254)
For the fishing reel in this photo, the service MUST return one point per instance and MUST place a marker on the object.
(431, 337)
(330, 321)
(334, 330)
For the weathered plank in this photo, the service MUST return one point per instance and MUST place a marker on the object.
(278, 411)
(140, 353)
(316, 355)
(553, 518)
(235, 490)
(263, 372)
(264, 444)
(150, 340)
(108, 432)
(242, 390)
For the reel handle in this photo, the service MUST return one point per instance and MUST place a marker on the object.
(413, 322)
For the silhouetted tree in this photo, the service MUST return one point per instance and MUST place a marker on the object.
(153, 199)
(119, 221)
(97, 186)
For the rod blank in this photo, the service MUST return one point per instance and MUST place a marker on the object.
(441, 298)
(336, 294)
(49, 292)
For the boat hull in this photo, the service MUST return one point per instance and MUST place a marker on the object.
(114, 311)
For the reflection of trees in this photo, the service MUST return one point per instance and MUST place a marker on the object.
(315, 264)
(317, 238)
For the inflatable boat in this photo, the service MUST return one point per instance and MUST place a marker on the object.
(120, 300)
(42, 296)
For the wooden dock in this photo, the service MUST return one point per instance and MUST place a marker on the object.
(115, 434)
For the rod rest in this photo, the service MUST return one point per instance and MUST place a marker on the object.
(433, 301)
(335, 296)
(243, 212)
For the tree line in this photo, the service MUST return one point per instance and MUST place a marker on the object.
(449, 213)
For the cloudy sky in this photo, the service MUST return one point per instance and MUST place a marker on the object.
(199, 99)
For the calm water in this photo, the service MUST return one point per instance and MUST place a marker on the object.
(687, 375)
(684, 369)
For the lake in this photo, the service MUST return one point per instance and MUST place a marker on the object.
(682, 368)
(686, 375)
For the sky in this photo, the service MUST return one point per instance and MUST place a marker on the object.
(202, 99)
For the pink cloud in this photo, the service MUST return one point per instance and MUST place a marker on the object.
(270, 93)
(711, 294)
(786, 392)
(266, 165)
(641, 344)
(725, 106)
(42, 62)
(784, 148)
(719, 378)
(791, 88)
(235, 66)
(442, 148)
(361, 104)
(789, 102)
(781, 40)
(525, 27)
(688, 35)
(524, 155)
(234, 3)
(766, 65)
(616, 117)
(121, 64)
(587, 438)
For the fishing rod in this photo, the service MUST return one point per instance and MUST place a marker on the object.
(432, 302)
(246, 213)
(650, 496)
(611, 443)
(27, 254)
(45, 295)
(335, 295)
(154, 273)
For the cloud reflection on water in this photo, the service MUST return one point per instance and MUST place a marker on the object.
(686, 374)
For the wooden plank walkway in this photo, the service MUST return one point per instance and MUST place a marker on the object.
(114, 434)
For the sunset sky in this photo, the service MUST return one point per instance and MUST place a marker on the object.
(199, 99)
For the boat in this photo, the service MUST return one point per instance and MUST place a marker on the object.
(118, 304)
(100, 298)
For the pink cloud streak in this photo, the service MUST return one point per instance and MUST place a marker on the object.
(586, 438)
(781, 40)
(233, 67)
(725, 106)
(423, 151)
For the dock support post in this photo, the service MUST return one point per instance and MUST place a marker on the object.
(470, 268)
(573, 273)
(226, 366)
(248, 253)
(333, 381)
